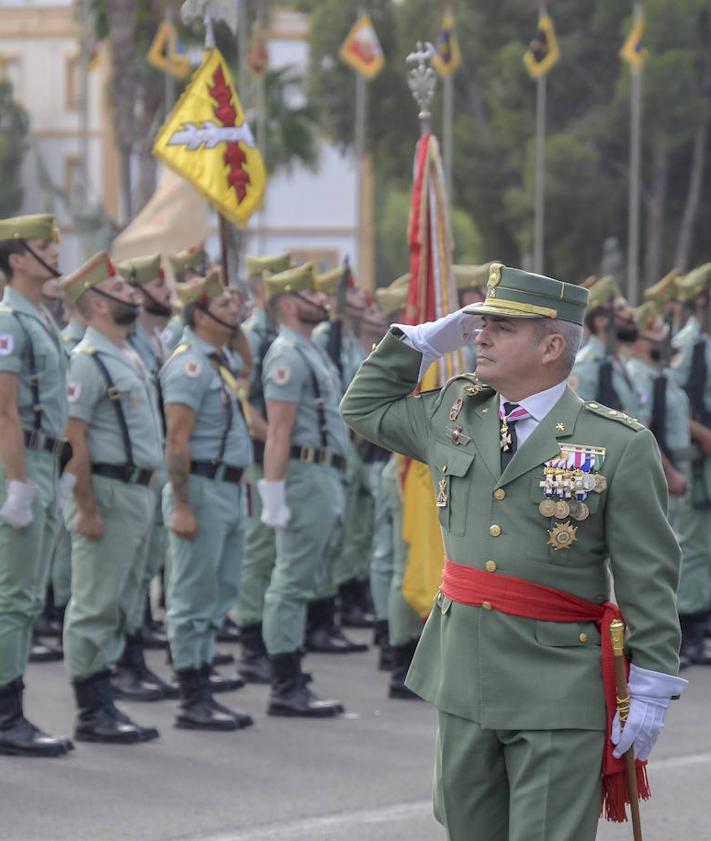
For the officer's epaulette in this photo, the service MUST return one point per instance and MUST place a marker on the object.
(181, 348)
(470, 385)
(614, 414)
(85, 347)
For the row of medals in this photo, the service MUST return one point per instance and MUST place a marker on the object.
(565, 491)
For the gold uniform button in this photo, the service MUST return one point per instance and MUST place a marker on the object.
(583, 637)
(494, 530)
(499, 493)
(490, 566)
(487, 606)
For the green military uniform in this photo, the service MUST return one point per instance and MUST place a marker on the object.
(693, 345)
(31, 353)
(521, 710)
(314, 492)
(29, 339)
(260, 540)
(204, 573)
(108, 573)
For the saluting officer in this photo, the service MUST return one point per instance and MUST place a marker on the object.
(260, 540)
(33, 412)
(204, 504)
(114, 430)
(302, 490)
(535, 490)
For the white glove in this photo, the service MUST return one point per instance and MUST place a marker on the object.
(275, 512)
(650, 696)
(65, 487)
(434, 339)
(17, 510)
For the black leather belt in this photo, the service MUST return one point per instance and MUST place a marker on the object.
(258, 451)
(221, 472)
(124, 473)
(314, 455)
(39, 441)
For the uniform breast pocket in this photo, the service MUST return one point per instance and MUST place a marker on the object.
(452, 474)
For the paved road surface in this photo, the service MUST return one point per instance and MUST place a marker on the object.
(365, 777)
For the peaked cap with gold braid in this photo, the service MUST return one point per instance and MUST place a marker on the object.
(514, 293)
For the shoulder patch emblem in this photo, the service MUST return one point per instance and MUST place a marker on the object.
(7, 344)
(192, 368)
(73, 392)
(281, 374)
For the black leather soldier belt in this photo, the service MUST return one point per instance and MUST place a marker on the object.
(124, 473)
(219, 471)
(315, 455)
(37, 440)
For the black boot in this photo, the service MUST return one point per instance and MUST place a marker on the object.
(42, 652)
(254, 665)
(132, 680)
(381, 638)
(222, 683)
(99, 719)
(195, 711)
(323, 635)
(153, 632)
(229, 632)
(49, 622)
(353, 597)
(18, 737)
(222, 658)
(290, 696)
(242, 719)
(402, 657)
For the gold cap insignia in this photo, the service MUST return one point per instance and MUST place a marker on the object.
(495, 274)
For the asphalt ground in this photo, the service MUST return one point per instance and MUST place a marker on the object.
(364, 776)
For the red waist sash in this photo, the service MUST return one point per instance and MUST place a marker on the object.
(518, 597)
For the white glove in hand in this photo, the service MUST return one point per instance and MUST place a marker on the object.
(17, 510)
(64, 490)
(275, 512)
(434, 339)
(650, 696)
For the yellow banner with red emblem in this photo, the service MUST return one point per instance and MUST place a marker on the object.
(361, 49)
(207, 140)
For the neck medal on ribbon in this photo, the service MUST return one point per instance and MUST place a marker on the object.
(568, 480)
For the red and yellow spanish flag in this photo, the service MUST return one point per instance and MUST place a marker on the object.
(432, 294)
(633, 51)
(207, 140)
(361, 50)
(543, 52)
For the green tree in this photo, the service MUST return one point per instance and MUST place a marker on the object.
(14, 127)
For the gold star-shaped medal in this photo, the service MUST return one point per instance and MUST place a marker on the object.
(562, 536)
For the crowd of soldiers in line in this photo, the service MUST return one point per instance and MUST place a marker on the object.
(156, 424)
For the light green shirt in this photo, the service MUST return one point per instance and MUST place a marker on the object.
(190, 379)
(677, 403)
(50, 361)
(172, 332)
(287, 376)
(584, 378)
(684, 342)
(72, 334)
(89, 401)
(352, 354)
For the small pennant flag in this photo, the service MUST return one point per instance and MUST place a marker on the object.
(448, 56)
(165, 52)
(633, 51)
(257, 60)
(361, 49)
(542, 53)
(207, 140)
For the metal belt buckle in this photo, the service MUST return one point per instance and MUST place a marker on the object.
(308, 455)
(57, 448)
(324, 456)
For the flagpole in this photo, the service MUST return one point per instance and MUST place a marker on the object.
(169, 86)
(540, 189)
(633, 218)
(361, 113)
(448, 118)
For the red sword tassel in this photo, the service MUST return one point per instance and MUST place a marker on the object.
(226, 113)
